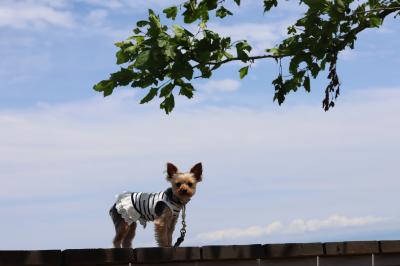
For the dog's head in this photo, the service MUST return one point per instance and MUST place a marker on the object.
(184, 184)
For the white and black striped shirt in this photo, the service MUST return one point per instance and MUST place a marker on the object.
(141, 206)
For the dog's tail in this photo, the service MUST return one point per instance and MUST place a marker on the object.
(115, 216)
(113, 210)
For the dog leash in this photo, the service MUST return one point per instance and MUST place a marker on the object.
(183, 229)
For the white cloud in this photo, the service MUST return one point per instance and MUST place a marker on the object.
(96, 17)
(223, 85)
(234, 233)
(334, 221)
(51, 3)
(151, 3)
(294, 227)
(142, 4)
(259, 35)
(25, 15)
(104, 3)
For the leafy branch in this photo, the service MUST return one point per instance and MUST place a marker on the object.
(156, 52)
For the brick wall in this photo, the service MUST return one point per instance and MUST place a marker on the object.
(354, 253)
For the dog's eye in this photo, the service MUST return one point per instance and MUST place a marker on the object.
(190, 184)
(178, 184)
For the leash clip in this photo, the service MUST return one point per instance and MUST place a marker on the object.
(183, 229)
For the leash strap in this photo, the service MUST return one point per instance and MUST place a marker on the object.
(183, 229)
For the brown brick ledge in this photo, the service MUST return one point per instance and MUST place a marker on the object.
(352, 253)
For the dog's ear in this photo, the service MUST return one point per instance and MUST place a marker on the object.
(197, 171)
(171, 170)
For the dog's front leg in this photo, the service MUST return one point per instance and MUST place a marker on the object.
(162, 232)
(171, 228)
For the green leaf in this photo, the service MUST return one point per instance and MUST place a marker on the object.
(223, 12)
(191, 13)
(211, 4)
(171, 12)
(228, 55)
(273, 51)
(168, 104)
(123, 44)
(243, 71)
(167, 89)
(123, 77)
(242, 49)
(205, 71)
(155, 21)
(142, 59)
(314, 68)
(139, 39)
(187, 90)
(178, 30)
(169, 51)
(122, 57)
(142, 23)
(276, 51)
(279, 90)
(187, 71)
(182, 68)
(306, 83)
(375, 22)
(314, 3)
(268, 4)
(106, 86)
(152, 93)
(144, 81)
(203, 54)
(131, 50)
(162, 42)
(340, 6)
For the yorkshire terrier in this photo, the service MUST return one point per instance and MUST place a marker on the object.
(162, 207)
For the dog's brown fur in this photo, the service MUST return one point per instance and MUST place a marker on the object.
(183, 188)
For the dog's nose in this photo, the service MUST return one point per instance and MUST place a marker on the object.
(183, 191)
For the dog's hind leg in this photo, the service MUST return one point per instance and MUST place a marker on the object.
(121, 227)
(121, 230)
(130, 235)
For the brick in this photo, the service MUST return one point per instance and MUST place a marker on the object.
(252, 262)
(359, 260)
(113, 256)
(158, 255)
(231, 252)
(30, 257)
(293, 250)
(299, 261)
(387, 260)
(352, 248)
(176, 263)
(390, 246)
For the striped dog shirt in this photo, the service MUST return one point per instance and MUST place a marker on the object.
(144, 207)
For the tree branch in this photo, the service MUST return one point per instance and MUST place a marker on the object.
(395, 8)
(250, 58)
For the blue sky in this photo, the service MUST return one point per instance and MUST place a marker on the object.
(272, 174)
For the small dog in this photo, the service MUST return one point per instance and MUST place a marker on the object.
(163, 207)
